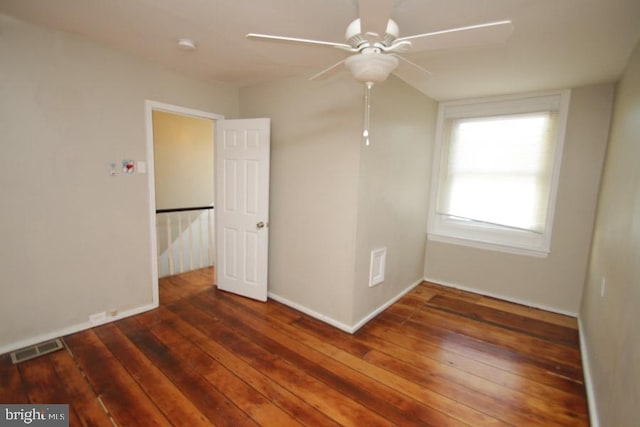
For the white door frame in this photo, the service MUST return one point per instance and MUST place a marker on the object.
(150, 106)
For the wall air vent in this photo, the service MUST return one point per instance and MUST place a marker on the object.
(36, 350)
(377, 266)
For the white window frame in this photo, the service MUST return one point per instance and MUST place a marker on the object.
(485, 236)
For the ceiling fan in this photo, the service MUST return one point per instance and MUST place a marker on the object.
(374, 44)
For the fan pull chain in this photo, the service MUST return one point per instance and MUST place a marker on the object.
(367, 112)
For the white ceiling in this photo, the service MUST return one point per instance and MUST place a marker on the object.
(555, 44)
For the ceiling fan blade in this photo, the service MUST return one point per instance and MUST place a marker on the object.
(490, 33)
(282, 39)
(411, 72)
(374, 15)
(413, 64)
(327, 71)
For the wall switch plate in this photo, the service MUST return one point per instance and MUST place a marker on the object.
(141, 166)
(603, 287)
(113, 169)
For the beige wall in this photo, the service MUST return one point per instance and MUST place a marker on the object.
(315, 149)
(183, 160)
(76, 241)
(610, 322)
(393, 193)
(554, 282)
(325, 185)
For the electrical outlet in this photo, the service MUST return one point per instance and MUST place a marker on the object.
(98, 318)
(603, 287)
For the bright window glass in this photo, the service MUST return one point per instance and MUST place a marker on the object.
(497, 166)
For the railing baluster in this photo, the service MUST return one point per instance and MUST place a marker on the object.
(205, 228)
(180, 242)
(170, 246)
(190, 240)
(210, 235)
(201, 239)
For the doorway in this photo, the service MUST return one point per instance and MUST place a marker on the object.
(180, 146)
(241, 243)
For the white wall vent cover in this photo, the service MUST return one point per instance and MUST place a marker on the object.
(36, 350)
(376, 269)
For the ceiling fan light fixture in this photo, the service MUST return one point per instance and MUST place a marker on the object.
(371, 67)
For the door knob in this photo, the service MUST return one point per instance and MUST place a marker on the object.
(261, 224)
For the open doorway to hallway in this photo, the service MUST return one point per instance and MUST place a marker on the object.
(183, 174)
(182, 162)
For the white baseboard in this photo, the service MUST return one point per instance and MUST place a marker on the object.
(384, 306)
(502, 297)
(312, 313)
(342, 326)
(588, 379)
(72, 329)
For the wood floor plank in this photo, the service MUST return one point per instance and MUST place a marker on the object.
(536, 328)
(288, 316)
(566, 358)
(530, 312)
(82, 399)
(245, 397)
(336, 345)
(43, 386)
(289, 402)
(336, 375)
(176, 287)
(12, 390)
(171, 402)
(331, 402)
(168, 292)
(438, 356)
(201, 278)
(561, 360)
(541, 401)
(451, 367)
(128, 404)
(448, 381)
(414, 336)
(509, 406)
(183, 373)
(405, 308)
(41, 382)
(452, 292)
(522, 310)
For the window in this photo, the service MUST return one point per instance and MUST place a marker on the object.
(496, 168)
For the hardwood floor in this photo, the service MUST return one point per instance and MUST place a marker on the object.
(183, 285)
(438, 357)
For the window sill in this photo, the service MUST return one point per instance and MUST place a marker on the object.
(527, 251)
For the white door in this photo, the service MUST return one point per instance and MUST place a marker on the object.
(242, 206)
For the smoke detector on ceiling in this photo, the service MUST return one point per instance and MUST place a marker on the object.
(186, 44)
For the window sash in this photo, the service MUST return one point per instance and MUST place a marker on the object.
(498, 169)
(451, 225)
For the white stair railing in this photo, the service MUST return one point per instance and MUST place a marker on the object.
(185, 239)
